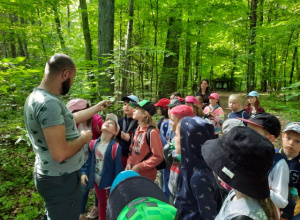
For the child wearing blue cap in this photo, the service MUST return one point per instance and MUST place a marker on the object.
(127, 127)
(290, 152)
(253, 107)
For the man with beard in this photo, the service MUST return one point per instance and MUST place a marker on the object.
(55, 140)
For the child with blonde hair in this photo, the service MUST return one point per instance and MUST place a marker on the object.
(235, 105)
(143, 158)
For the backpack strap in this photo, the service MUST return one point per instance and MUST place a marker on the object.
(148, 135)
(277, 157)
(114, 151)
(92, 143)
(148, 142)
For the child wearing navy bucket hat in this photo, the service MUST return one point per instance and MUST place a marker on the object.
(242, 158)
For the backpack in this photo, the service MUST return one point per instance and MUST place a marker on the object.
(277, 157)
(160, 166)
(113, 150)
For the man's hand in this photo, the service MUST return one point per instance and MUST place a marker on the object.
(125, 136)
(88, 135)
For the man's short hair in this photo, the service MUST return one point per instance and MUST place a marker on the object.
(58, 63)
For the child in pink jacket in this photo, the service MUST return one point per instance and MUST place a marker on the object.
(214, 112)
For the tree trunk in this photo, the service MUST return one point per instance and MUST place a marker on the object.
(127, 48)
(170, 66)
(251, 53)
(58, 27)
(40, 28)
(295, 55)
(24, 39)
(197, 72)
(12, 34)
(106, 45)
(187, 63)
(86, 30)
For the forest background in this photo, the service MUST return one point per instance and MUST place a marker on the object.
(147, 47)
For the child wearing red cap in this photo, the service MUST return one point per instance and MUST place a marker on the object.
(214, 112)
(171, 157)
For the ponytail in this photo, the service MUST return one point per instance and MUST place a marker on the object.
(269, 208)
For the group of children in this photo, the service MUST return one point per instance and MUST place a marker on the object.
(200, 156)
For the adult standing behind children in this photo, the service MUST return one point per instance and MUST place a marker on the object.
(127, 127)
(55, 140)
(253, 107)
(143, 158)
(204, 92)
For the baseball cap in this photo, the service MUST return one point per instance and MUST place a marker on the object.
(292, 126)
(163, 103)
(77, 104)
(253, 93)
(267, 121)
(132, 98)
(231, 123)
(192, 99)
(214, 96)
(181, 111)
(145, 105)
(113, 117)
(176, 101)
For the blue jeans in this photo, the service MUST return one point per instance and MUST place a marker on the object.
(62, 195)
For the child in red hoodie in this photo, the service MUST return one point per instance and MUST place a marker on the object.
(143, 158)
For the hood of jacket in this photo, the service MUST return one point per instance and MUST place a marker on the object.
(194, 132)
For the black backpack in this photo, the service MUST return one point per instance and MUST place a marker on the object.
(160, 166)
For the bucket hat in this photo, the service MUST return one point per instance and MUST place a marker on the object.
(241, 158)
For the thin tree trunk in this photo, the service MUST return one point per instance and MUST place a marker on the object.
(12, 36)
(68, 14)
(154, 56)
(41, 38)
(295, 55)
(58, 27)
(86, 30)
(106, 45)
(23, 23)
(186, 70)
(251, 52)
(128, 47)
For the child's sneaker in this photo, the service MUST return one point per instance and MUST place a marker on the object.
(93, 213)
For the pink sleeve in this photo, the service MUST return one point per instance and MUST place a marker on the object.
(96, 126)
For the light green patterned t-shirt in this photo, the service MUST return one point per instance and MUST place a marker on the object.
(43, 110)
